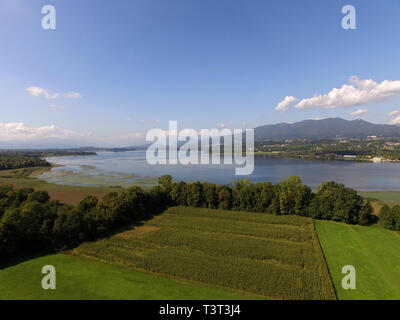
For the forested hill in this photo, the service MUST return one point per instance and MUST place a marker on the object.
(326, 129)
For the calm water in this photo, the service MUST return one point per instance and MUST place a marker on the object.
(127, 168)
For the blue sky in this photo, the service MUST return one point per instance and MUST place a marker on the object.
(202, 62)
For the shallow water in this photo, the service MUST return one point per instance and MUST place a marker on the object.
(131, 168)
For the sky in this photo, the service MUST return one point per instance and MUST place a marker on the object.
(112, 70)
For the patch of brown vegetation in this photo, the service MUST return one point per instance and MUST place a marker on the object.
(25, 178)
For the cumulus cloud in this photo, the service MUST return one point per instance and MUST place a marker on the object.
(359, 112)
(73, 95)
(285, 104)
(395, 120)
(393, 113)
(37, 91)
(358, 92)
(19, 131)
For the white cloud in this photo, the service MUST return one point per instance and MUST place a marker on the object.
(73, 95)
(19, 131)
(37, 91)
(395, 120)
(316, 118)
(393, 113)
(359, 92)
(359, 112)
(285, 104)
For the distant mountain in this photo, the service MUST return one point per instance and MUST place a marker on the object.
(326, 129)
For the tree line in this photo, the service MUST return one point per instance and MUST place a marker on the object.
(21, 161)
(331, 201)
(31, 221)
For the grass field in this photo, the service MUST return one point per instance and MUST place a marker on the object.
(78, 278)
(373, 251)
(273, 256)
(386, 196)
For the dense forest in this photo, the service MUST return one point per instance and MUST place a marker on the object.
(31, 221)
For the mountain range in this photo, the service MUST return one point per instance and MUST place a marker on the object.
(326, 129)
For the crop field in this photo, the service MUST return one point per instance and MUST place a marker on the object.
(79, 278)
(373, 251)
(277, 257)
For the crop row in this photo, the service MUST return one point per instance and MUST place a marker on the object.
(291, 233)
(259, 277)
(288, 220)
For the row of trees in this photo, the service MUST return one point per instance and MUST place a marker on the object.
(390, 217)
(331, 201)
(31, 221)
(18, 161)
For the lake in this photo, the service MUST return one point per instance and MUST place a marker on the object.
(128, 168)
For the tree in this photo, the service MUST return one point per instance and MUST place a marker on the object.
(242, 197)
(294, 197)
(224, 197)
(333, 201)
(40, 196)
(210, 195)
(179, 193)
(195, 196)
(263, 194)
(166, 182)
(366, 217)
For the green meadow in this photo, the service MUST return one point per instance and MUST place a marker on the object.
(373, 251)
(79, 278)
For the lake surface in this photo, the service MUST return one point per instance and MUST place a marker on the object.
(128, 168)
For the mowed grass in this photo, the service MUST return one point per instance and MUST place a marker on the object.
(79, 278)
(276, 257)
(373, 251)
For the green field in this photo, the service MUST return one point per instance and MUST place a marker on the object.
(373, 251)
(273, 256)
(79, 278)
